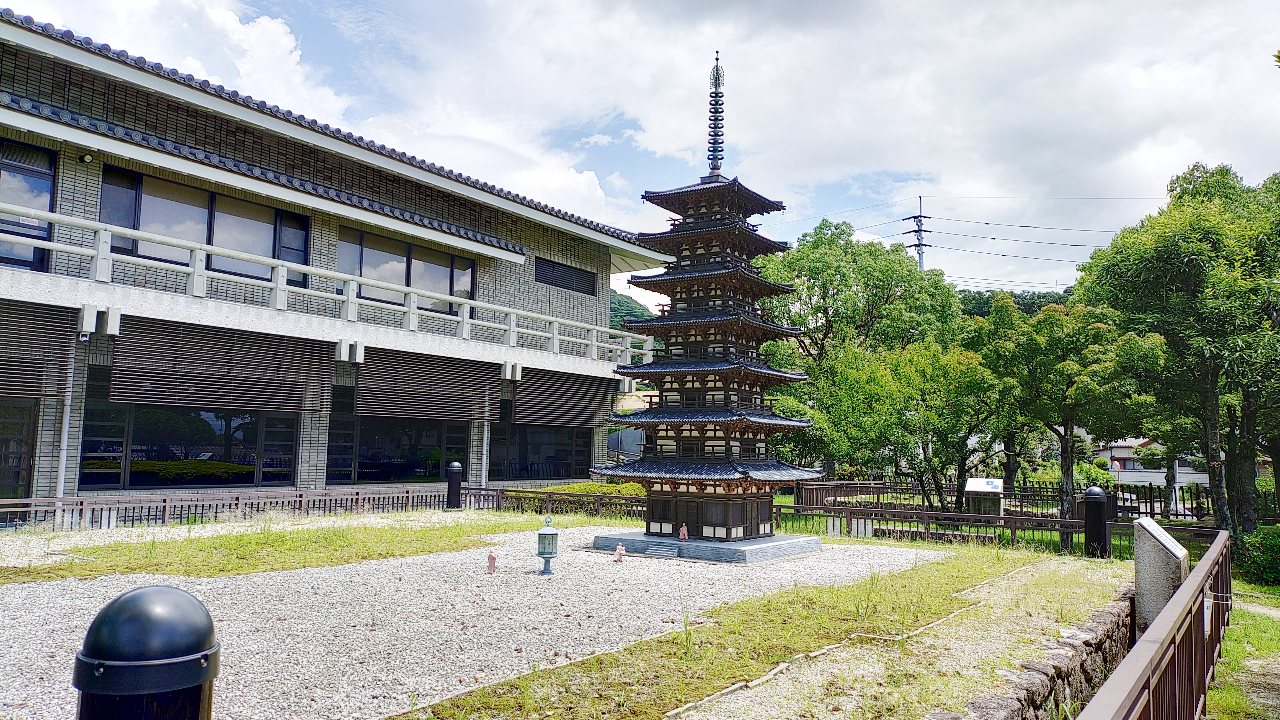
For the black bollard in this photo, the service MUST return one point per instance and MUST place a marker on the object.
(150, 654)
(454, 474)
(1097, 536)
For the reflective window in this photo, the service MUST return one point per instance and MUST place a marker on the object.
(26, 179)
(391, 261)
(118, 203)
(243, 226)
(385, 260)
(176, 211)
(518, 451)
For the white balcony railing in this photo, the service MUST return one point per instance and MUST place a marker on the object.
(468, 319)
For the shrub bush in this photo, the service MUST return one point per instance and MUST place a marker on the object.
(599, 488)
(1258, 559)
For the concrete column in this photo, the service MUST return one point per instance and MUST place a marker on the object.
(48, 435)
(313, 450)
(477, 474)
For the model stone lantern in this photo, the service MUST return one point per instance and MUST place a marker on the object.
(548, 546)
(707, 463)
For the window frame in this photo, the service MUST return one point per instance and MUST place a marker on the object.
(129, 246)
(408, 271)
(39, 256)
(547, 272)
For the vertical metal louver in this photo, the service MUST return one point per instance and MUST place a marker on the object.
(168, 363)
(394, 383)
(36, 342)
(546, 397)
(564, 276)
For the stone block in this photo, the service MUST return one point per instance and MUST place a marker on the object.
(1160, 565)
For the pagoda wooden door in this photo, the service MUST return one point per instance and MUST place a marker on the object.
(687, 513)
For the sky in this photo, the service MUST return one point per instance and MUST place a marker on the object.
(1066, 115)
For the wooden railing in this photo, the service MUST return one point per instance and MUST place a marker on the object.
(498, 324)
(1167, 673)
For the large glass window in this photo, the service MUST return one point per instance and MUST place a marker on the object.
(518, 451)
(379, 258)
(141, 202)
(161, 446)
(371, 449)
(26, 179)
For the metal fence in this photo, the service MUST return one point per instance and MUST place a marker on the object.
(1167, 673)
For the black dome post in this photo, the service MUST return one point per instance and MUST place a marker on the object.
(150, 654)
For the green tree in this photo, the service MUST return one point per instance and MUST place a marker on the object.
(623, 308)
(1073, 369)
(977, 303)
(849, 292)
(1201, 273)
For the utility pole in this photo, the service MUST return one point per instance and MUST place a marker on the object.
(919, 232)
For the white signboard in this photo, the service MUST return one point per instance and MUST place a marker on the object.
(984, 485)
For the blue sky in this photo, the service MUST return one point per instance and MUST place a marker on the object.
(993, 112)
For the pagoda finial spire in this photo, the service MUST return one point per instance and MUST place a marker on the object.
(715, 137)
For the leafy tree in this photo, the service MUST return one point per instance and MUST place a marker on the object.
(1073, 369)
(850, 292)
(1201, 273)
(977, 303)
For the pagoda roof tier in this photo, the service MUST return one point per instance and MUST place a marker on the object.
(740, 274)
(710, 471)
(710, 192)
(680, 236)
(710, 416)
(727, 319)
(727, 367)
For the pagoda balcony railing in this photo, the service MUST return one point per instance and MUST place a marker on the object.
(711, 306)
(340, 297)
(729, 354)
(666, 453)
(765, 405)
(727, 261)
(710, 218)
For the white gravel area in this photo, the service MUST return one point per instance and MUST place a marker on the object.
(376, 638)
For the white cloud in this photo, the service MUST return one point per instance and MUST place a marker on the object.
(1037, 99)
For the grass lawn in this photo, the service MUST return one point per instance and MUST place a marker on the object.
(1247, 686)
(1254, 593)
(742, 641)
(266, 549)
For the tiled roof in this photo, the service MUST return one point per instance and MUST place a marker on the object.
(709, 271)
(740, 229)
(665, 367)
(88, 45)
(719, 184)
(153, 142)
(657, 416)
(766, 471)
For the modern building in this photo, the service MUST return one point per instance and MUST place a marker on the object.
(202, 290)
(707, 464)
(1123, 462)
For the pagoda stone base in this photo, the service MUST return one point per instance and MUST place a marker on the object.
(742, 551)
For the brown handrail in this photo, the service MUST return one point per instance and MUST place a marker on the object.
(1166, 674)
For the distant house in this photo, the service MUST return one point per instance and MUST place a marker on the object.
(1124, 464)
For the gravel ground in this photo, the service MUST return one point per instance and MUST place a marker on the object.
(376, 638)
(32, 547)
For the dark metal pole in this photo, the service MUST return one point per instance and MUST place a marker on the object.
(1097, 538)
(454, 475)
(150, 654)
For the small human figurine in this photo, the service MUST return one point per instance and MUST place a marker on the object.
(684, 532)
(618, 552)
(493, 564)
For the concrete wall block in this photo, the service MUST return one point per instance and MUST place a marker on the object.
(1160, 565)
(313, 450)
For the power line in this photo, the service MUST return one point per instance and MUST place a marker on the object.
(1021, 240)
(1002, 280)
(1036, 197)
(837, 212)
(1033, 227)
(1007, 255)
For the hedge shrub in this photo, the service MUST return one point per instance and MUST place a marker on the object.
(1258, 559)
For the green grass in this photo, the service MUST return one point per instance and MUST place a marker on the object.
(1255, 593)
(743, 641)
(1251, 636)
(597, 488)
(267, 549)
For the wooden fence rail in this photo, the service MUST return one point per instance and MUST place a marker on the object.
(1167, 673)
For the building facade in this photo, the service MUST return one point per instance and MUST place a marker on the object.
(200, 290)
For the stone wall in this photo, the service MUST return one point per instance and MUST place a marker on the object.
(1073, 669)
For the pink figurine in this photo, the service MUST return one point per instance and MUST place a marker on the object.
(618, 552)
(493, 563)
(684, 532)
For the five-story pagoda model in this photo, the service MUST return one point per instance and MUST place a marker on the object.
(707, 464)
